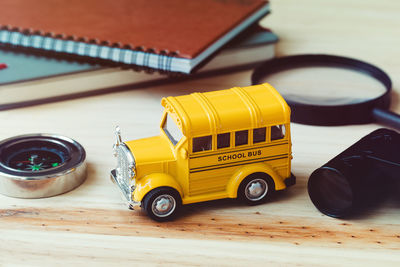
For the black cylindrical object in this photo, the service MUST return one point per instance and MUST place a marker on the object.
(355, 178)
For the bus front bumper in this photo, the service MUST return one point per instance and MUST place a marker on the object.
(125, 192)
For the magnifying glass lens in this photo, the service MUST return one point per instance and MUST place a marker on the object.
(330, 192)
(330, 90)
(325, 85)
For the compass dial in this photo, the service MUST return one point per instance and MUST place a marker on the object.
(36, 159)
(35, 155)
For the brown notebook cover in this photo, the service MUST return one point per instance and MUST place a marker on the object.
(178, 28)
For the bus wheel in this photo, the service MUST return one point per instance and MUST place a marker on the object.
(256, 188)
(162, 204)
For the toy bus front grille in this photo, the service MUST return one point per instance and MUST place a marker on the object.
(125, 163)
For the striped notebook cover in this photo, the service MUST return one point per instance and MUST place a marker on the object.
(173, 35)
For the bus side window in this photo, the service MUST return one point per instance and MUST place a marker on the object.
(278, 132)
(241, 138)
(259, 135)
(223, 140)
(202, 143)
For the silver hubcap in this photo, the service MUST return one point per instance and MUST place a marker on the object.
(256, 189)
(163, 205)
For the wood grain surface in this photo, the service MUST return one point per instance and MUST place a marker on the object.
(91, 225)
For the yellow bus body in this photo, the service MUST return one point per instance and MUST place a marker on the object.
(212, 157)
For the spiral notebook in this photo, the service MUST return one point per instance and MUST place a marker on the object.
(31, 79)
(173, 35)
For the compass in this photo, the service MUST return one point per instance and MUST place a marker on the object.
(40, 165)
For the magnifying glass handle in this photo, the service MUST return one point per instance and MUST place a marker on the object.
(386, 117)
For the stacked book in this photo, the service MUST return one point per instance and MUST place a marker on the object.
(56, 42)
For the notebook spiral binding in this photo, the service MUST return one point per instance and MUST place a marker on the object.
(138, 58)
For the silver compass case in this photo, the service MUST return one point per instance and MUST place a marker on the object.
(40, 165)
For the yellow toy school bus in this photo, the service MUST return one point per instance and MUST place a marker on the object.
(231, 143)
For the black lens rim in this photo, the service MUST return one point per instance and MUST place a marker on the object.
(320, 203)
(358, 113)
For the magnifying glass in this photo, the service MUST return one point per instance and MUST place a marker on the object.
(330, 90)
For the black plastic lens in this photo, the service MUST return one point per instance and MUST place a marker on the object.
(359, 177)
(330, 192)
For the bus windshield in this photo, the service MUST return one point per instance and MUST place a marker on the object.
(171, 130)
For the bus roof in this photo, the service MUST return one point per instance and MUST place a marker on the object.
(234, 109)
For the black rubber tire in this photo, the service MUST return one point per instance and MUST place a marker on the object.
(257, 175)
(153, 195)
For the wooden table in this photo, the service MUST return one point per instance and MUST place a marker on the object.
(91, 225)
